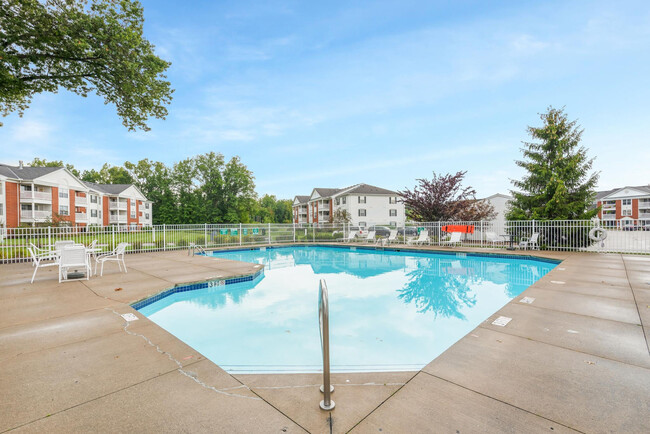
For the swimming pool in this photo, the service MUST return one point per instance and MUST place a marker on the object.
(389, 310)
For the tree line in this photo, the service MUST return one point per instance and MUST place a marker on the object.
(200, 189)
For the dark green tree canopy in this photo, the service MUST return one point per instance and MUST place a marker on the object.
(42, 162)
(107, 175)
(84, 47)
(559, 183)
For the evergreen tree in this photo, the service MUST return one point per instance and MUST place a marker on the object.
(559, 184)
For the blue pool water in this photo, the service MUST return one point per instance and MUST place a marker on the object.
(389, 311)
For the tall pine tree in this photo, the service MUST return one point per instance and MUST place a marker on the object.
(559, 184)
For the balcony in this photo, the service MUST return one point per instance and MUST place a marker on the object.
(117, 219)
(35, 215)
(609, 216)
(80, 201)
(80, 216)
(644, 204)
(609, 206)
(644, 215)
(44, 196)
(113, 204)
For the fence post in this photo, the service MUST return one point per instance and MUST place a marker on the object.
(482, 233)
(113, 238)
(205, 234)
(294, 232)
(313, 234)
(240, 234)
(49, 237)
(164, 237)
(269, 233)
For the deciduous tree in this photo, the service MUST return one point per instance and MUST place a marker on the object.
(82, 46)
(444, 198)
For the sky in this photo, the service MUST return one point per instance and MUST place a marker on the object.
(330, 94)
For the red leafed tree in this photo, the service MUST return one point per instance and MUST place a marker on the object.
(445, 198)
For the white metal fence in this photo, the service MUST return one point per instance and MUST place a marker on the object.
(553, 235)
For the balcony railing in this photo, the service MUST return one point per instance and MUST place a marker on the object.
(609, 206)
(80, 216)
(35, 215)
(644, 204)
(116, 205)
(609, 216)
(644, 215)
(117, 219)
(39, 195)
(79, 200)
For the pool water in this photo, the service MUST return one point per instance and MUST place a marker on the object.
(389, 310)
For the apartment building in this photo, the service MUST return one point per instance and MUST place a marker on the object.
(366, 205)
(36, 195)
(624, 207)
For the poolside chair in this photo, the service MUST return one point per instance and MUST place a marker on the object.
(371, 237)
(74, 257)
(453, 240)
(117, 255)
(38, 262)
(421, 239)
(351, 236)
(492, 237)
(58, 245)
(531, 242)
(392, 236)
(43, 254)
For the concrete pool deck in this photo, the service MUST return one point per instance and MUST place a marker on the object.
(576, 358)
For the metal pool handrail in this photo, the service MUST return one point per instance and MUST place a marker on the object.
(324, 326)
(192, 248)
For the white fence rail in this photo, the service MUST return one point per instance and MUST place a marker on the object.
(553, 235)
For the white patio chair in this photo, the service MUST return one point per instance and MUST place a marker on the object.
(43, 254)
(392, 236)
(371, 237)
(58, 245)
(454, 239)
(74, 257)
(530, 243)
(38, 262)
(492, 237)
(351, 236)
(117, 255)
(92, 256)
(422, 238)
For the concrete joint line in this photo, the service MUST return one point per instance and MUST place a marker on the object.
(180, 365)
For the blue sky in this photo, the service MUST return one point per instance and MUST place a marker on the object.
(331, 94)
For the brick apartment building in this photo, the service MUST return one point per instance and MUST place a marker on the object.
(35, 195)
(624, 207)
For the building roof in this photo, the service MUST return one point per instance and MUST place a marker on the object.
(602, 194)
(302, 199)
(326, 192)
(368, 189)
(505, 196)
(107, 188)
(26, 173)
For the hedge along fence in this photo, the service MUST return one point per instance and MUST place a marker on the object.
(570, 235)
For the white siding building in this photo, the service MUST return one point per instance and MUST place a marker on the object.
(367, 205)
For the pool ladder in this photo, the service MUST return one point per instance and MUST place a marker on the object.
(324, 326)
(192, 248)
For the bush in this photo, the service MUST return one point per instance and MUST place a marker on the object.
(182, 243)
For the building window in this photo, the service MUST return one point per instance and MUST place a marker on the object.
(626, 212)
(344, 200)
(392, 213)
(63, 210)
(93, 198)
(146, 216)
(26, 187)
(63, 194)
(362, 224)
(146, 205)
(626, 201)
(133, 215)
(24, 207)
(99, 214)
(132, 203)
(392, 199)
(338, 201)
(93, 213)
(392, 224)
(1, 186)
(362, 199)
(362, 213)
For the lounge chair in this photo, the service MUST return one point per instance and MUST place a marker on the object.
(392, 237)
(74, 257)
(351, 236)
(117, 255)
(371, 237)
(492, 237)
(38, 262)
(530, 243)
(421, 239)
(453, 240)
